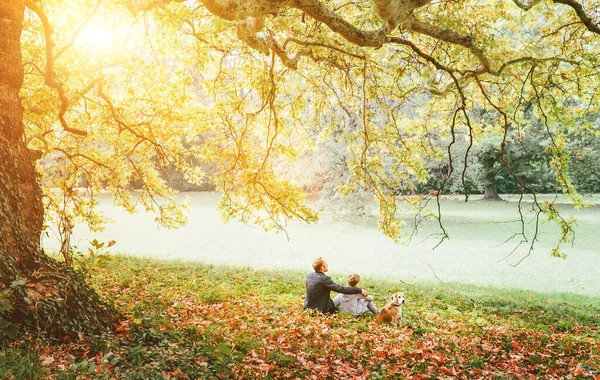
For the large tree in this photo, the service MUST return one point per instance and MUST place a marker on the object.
(42, 293)
(254, 81)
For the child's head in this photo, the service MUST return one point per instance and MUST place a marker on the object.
(353, 279)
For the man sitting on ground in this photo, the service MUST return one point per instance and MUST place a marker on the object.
(319, 285)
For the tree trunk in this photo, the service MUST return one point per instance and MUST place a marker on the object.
(490, 191)
(42, 293)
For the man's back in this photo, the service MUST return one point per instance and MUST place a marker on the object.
(317, 293)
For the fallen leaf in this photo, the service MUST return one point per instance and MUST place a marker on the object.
(46, 360)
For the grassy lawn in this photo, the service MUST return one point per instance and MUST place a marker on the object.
(479, 250)
(202, 321)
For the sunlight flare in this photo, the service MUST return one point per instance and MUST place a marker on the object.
(96, 37)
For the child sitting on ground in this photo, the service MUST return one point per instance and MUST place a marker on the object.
(354, 303)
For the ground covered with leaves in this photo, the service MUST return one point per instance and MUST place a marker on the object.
(184, 320)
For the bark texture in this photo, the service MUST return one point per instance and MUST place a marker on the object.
(42, 294)
(490, 191)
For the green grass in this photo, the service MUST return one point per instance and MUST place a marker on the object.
(19, 363)
(212, 321)
(498, 220)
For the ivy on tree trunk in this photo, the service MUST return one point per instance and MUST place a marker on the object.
(36, 292)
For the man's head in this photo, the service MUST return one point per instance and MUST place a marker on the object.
(319, 265)
(353, 279)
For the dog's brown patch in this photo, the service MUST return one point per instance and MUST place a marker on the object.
(392, 312)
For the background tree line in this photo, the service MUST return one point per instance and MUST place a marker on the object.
(485, 174)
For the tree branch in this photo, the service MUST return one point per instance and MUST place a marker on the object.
(50, 75)
(526, 5)
(453, 38)
(532, 60)
(585, 19)
(397, 12)
(232, 10)
(137, 6)
(318, 11)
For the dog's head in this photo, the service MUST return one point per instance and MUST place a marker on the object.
(398, 298)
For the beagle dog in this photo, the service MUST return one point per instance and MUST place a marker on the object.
(392, 312)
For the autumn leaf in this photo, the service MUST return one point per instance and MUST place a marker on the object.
(46, 360)
(265, 367)
(577, 370)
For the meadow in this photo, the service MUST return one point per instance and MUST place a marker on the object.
(188, 320)
(223, 301)
(482, 249)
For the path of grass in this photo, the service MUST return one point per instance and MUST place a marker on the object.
(191, 320)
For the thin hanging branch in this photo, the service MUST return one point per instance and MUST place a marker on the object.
(50, 75)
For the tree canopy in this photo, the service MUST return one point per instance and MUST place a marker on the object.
(137, 86)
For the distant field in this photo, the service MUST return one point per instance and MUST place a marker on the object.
(478, 252)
